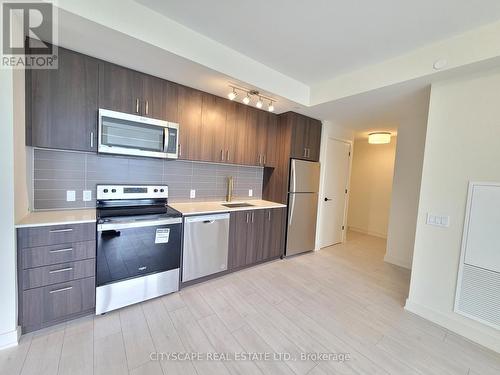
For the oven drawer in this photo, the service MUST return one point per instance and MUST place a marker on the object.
(59, 273)
(56, 302)
(55, 234)
(54, 254)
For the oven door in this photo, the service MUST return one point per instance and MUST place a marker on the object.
(126, 134)
(135, 248)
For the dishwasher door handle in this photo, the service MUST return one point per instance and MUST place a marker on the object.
(208, 221)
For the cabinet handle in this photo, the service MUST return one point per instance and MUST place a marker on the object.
(247, 217)
(269, 215)
(252, 216)
(61, 270)
(61, 230)
(137, 105)
(222, 155)
(61, 290)
(305, 152)
(264, 160)
(61, 250)
(308, 152)
(260, 159)
(227, 155)
(180, 149)
(91, 139)
(147, 107)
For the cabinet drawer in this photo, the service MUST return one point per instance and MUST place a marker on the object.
(59, 273)
(55, 234)
(54, 254)
(55, 302)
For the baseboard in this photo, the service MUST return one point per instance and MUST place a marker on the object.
(9, 339)
(370, 233)
(397, 262)
(458, 325)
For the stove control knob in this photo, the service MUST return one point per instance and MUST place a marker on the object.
(113, 190)
(155, 190)
(105, 190)
(161, 190)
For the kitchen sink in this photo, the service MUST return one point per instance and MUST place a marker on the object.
(235, 205)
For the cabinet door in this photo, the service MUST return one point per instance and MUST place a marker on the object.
(235, 134)
(299, 145)
(272, 141)
(238, 238)
(120, 89)
(213, 127)
(170, 103)
(313, 139)
(189, 118)
(62, 104)
(276, 226)
(262, 126)
(254, 236)
(251, 135)
(152, 101)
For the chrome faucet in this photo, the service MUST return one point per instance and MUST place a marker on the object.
(230, 186)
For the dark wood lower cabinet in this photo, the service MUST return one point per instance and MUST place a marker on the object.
(255, 236)
(56, 274)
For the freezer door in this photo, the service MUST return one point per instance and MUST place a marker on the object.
(304, 176)
(301, 222)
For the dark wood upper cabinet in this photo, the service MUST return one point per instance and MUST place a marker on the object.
(306, 136)
(61, 104)
(235, 134)
(189, 118)
(272, 141)
(120, 89)
(213, 127)
(251, 133)
(313, 139)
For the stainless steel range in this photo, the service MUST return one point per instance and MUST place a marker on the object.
(138, 245)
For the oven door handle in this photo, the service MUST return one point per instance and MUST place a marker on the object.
(137, 224)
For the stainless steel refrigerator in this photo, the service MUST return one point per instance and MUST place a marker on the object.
(302, 206)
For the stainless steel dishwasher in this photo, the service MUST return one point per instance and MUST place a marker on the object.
(206, 239)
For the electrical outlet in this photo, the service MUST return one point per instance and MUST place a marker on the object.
(87, 195)
(250, 192)
(70, 195)
(438, 221)
(192, 194)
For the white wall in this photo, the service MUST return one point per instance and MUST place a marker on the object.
(371, 186)
(329, 129)
(462, 144)
(8, 308)
(406, 190)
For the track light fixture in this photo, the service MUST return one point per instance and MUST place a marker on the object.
(233, 94)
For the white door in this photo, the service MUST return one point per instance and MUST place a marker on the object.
(334, 196)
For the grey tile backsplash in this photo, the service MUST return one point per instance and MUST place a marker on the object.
(55, 171)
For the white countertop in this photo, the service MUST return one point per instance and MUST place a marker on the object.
(199, 208)
(42, 218)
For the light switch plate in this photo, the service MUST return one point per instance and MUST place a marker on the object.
(70, 196)
(438, 221)
(192, 194)
(250, 192)
(87, 195)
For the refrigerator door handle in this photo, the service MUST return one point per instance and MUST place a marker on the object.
(292, 207)
(292, 177)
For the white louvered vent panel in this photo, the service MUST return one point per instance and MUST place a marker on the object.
(479, 294)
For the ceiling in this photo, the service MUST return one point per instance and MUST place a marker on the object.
(316, 40)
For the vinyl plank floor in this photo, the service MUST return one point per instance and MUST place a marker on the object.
(342, 299)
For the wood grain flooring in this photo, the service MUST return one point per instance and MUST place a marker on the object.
(342, 299)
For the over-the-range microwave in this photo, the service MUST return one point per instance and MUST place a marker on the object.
(126, 134)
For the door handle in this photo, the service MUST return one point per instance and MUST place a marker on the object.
(147, 107)
(227, 155)
(328, 199)
(252, 216)
(137, 105)
(305, 152)
(269, 215)
(222, 155)
(208, 221)
(247, 217)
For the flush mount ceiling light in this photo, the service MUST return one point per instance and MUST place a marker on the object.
(248, 97)
(379, 138)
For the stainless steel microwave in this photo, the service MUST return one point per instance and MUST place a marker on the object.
(126, 134)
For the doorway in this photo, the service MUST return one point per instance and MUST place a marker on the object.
(335, 189)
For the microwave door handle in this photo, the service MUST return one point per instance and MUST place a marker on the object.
(165, 139)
